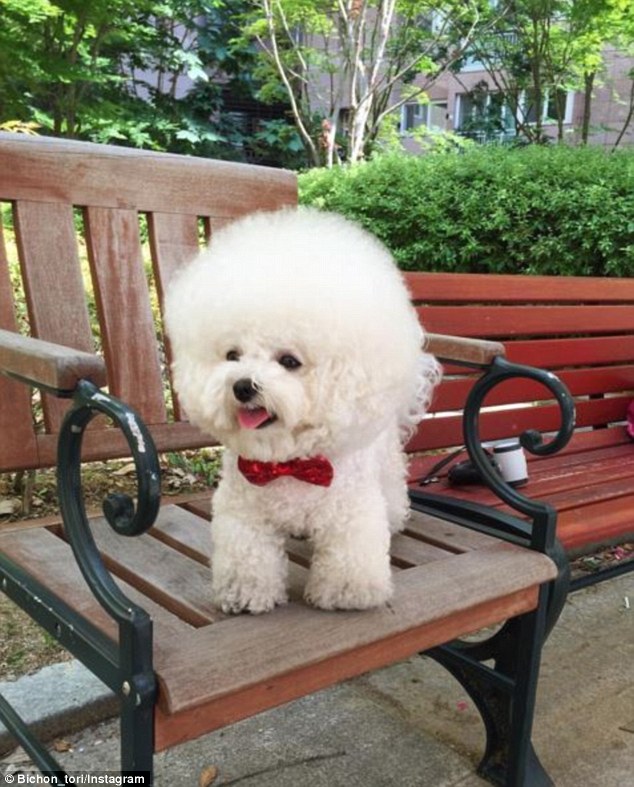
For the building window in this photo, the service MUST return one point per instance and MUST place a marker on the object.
(431, 115)
(557, 105)
(483, 115)
(486, 116)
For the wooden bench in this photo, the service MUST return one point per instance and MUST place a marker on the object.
(133, 602)
(582, 329)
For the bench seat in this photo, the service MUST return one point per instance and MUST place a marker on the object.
(447, 579)
(590, 483)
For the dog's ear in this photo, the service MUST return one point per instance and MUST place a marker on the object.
(353, 396)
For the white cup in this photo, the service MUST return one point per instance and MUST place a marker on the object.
(511, 462)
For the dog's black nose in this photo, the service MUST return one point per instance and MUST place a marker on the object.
(244, 390)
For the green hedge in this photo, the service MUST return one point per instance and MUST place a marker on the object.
(550, 210)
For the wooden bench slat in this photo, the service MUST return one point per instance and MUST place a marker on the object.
(16, 428)
(511, 288)
(109, 444)
(445, 535)
(580, 382)
(174, 242)
(565, 353)
(566, 489)
(577, 470)
(596, 488)
(446, 431)
(184, 532)
(125, 315)
(591, 440)
(54, 287)
(176, 582)
(53, 284)
(119, 177)
(50, 560)
(407, 552)
(601, 522)
(495, 322)
(574, 462)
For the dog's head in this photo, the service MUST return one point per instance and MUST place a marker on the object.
(294, 335)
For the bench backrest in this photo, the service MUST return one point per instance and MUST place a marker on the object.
(71, 201)
(582, 329)
(86, 216)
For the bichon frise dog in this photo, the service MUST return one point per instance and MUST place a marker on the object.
(295, 345)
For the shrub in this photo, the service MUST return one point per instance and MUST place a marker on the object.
(549, 210)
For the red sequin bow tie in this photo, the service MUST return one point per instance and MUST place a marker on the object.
(316, 470)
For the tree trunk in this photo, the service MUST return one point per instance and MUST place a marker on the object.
(629, 117)
(588, 84)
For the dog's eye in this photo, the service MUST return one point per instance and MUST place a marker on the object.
(289, 361)
(232, 355)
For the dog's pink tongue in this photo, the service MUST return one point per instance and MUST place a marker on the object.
(251, 419)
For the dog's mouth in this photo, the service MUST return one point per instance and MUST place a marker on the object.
(255, 417)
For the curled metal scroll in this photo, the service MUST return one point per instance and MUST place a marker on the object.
(123, 515)
(499, 371)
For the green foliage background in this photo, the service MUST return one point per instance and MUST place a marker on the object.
(538, 209)
(108, 71)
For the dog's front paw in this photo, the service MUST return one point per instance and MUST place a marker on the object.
(348, 593)
(248, 597)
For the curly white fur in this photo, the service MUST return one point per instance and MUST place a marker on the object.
(317, 288)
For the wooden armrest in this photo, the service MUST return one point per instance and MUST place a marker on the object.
(47, 365)
(459, 350)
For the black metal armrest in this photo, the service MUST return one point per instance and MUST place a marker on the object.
(120, 511)
(543, 516)
(487, 356)
(135, 625)
(535, 527)
(126, 666)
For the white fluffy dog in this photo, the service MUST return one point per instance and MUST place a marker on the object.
(296, 346)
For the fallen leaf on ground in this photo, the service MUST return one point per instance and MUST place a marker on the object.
(62, 745)
(125, 470)
(207, 776)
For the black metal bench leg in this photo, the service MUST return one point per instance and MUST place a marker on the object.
(138, 697)
(504, 695)
(137, 737)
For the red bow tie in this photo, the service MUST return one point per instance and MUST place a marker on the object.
(316, 470)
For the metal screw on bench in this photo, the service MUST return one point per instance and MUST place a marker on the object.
(511, 462)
